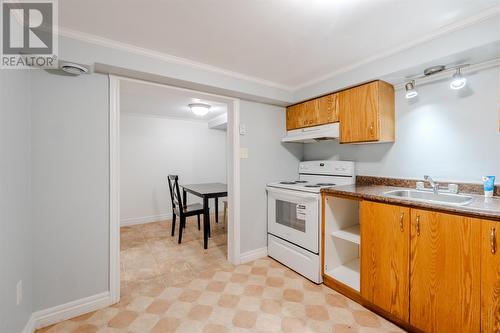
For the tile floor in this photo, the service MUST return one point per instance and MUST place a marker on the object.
(182, 288)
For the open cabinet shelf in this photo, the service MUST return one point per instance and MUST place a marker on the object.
(342, 241)
(347, 274)
(350, 234)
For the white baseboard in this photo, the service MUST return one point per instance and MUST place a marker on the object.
(253, 255)
(30, 326)
(144, 219)
(149, 219)
(66, 311)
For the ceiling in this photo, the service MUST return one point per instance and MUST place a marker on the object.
(286, 42)
(160, 101)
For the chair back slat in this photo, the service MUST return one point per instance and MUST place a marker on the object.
(175, 193)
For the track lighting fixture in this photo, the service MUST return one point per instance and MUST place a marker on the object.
(411, 92)
(458, 81)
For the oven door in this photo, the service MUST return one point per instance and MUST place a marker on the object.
(294, 216)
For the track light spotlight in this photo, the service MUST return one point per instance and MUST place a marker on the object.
(458, 81)
(411, 92)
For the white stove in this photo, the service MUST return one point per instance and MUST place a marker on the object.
(293, 214)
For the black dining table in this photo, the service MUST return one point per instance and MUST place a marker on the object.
(206, 191)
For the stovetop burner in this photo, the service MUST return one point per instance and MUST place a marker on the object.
(315, 176)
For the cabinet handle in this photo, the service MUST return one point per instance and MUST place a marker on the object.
(493, 241)
(418, 225)
(401, 222)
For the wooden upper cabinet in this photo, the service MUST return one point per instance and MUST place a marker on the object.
(385, 256)
(319, 111)
(328, 107)
(490, 277)
(294, 116)
(311, 114)
(445, 267)
(366, 113)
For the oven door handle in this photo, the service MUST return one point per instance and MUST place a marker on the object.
(299, 194)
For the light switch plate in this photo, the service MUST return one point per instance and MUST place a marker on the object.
(243, 129)
(19, 292)
(243, 152)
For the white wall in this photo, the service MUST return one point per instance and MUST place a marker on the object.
(447, 134)
(16, 242)
(70, 187)
(268, 160)
(153, 147)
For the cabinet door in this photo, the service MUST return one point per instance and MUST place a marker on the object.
(444, 272)
(294, 116)
(311, 113)
(328, 107)
(385, 256)
(490, 277)
(358, 113)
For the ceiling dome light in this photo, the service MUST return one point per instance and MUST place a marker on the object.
(199, 109)
(457, 80)
(411, 92)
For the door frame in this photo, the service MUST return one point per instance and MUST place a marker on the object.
(232, 172)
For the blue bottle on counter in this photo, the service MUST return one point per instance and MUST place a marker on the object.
(489, 185)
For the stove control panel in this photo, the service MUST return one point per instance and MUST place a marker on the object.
(340, 168)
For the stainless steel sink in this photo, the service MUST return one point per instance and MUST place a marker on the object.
(442, 198)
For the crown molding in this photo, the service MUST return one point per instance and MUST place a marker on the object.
(452, 27)
(101, 41)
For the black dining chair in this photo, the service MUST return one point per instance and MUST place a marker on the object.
(180, 208)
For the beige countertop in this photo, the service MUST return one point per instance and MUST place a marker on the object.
(480, 206)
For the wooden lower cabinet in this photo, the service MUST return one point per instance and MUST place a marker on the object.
(385, 253)
(490, 277)
(445, 269)
(432, 271)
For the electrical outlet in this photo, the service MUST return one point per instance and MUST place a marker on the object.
(243, 152)
(19, 292)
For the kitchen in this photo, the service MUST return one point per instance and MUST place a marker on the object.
(361, 149)
(385, 240)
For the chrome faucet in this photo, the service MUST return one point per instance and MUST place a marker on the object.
(434, 185)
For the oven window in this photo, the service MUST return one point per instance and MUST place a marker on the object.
(291, 215)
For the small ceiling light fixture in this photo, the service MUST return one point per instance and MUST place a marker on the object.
(74, 69)
(411, 92)
(458, 81)
(199, 109)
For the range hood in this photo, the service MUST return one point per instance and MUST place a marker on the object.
(313, 134)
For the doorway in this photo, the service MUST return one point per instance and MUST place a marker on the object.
(161, 216)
